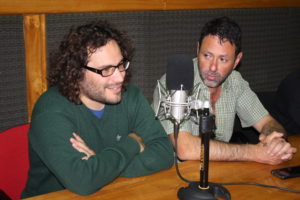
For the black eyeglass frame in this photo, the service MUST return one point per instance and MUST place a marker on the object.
(124, 62)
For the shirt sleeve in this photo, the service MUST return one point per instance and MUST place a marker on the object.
(249, 108)
(158, 153)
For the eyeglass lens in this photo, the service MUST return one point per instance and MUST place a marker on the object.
(111, 69)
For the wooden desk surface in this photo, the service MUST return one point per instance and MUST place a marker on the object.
(165, 184)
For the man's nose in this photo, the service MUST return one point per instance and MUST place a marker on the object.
(213, 65)
(118, 76)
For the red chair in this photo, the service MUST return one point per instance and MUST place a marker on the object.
(14, 161)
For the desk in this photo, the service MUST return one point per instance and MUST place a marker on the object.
(165, 184)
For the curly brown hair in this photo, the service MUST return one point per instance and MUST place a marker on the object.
(66, 70)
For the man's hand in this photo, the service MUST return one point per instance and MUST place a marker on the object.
(80, 146)
(273, 149)
(139, 140)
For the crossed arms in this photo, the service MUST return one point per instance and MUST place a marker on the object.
(80, 145)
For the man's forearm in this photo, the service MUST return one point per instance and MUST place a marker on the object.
(158, 155)
(271, 126)
(221, 151)
(189, 149)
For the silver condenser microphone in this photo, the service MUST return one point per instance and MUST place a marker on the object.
(175, 99)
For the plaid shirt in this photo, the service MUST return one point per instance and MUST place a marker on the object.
(236, 98)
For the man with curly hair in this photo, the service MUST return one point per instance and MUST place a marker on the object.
(92, 126)
(218, 54)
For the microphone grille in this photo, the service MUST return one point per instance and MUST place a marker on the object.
(180, 71)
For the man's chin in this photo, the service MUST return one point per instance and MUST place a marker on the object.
(114, 100)
(211, 84)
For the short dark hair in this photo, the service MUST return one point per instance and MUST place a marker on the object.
(226, 29)
(66, 64)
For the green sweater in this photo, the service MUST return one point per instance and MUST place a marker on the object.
(56, 165)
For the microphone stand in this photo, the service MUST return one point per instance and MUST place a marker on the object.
(204, 189)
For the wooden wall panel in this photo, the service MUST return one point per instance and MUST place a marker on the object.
(58, 6)
(35, 47)
(216, 4)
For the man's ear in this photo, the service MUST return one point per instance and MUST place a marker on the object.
(238, 59)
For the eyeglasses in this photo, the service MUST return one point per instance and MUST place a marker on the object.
(109, 70)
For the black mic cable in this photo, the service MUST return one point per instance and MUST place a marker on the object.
(261, 185)
(176, 132)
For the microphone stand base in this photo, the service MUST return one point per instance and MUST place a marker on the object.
(194, 192)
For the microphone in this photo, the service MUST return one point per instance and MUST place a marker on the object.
(175, 100)
(179, 80)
